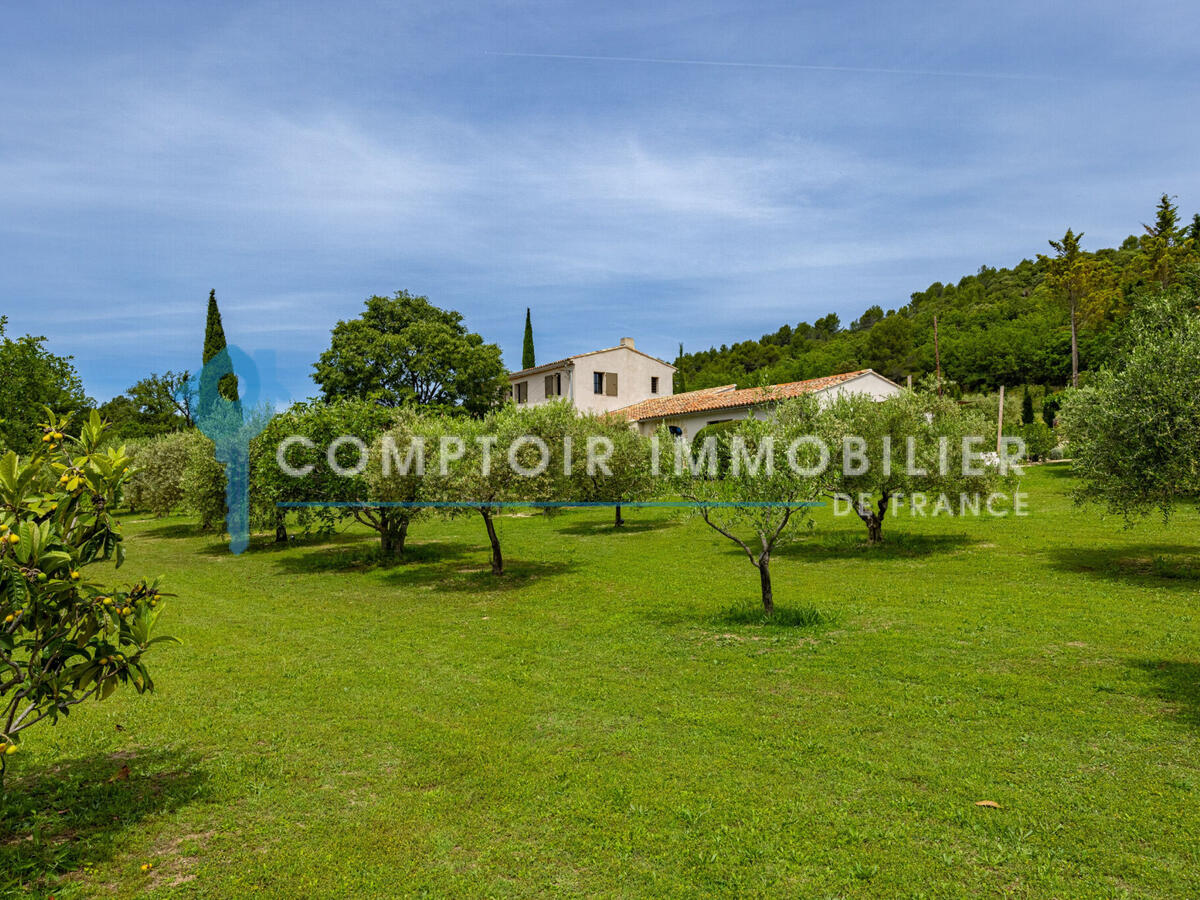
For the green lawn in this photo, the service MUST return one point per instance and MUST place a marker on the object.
(595, 723)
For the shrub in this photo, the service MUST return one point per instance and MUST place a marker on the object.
(64, 638)
(203, 483)
(1039, 440)
(161, 465)
(134, 493)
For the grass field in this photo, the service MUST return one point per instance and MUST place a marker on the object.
(597, 722)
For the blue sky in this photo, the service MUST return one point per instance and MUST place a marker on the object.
(299, 157)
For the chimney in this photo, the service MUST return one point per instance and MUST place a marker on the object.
(627, 342)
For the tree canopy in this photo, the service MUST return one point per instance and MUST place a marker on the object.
(157, 404)
(32, 378)
(1134, 432)
(403, 350)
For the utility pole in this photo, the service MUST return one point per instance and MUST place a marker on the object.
(937, 355)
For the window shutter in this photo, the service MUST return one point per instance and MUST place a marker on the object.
(610, 383)
(549, 385)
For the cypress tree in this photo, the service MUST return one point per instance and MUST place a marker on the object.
(214, 332)
(527, 357)
(1027, 408)
(214, 343)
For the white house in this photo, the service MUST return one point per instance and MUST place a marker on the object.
(685, 414)
(598, 382)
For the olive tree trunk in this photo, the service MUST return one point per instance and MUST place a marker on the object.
(497, 556)
(873, 518)
(764, 576)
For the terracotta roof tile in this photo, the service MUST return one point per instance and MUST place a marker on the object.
(728, 397)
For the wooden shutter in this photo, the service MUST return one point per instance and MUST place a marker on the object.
(610, 384)
(549, 385)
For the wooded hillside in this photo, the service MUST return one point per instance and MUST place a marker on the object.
(998, 326)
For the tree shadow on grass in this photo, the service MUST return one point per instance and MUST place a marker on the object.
(363, 554)
(1150, 565)
(1057, 469)
(600, 528)
(474, 575)
(264, 543)
(173, 530)
(846, 545)
(1176, 682)
(58, 820)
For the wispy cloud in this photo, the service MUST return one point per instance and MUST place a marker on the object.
(780, 66)
(654, 187)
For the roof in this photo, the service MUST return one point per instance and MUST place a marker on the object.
(570, 360)
(730, 397)
(544, 367)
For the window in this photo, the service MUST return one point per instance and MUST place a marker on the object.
(676, 431)
(554, 385)
(604, 383)
(521, 391)
(654, 384)
(597, 382)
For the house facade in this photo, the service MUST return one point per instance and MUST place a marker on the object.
(685, 414)
(597, 382)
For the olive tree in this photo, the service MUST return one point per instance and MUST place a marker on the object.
(65, 638)
(779, 467)
(904, 445)
(509, 457)
(315, 455)
(398, 467)
(1133, 433)
(609, 462)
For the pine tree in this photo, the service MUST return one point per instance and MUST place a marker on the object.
(214, 343)
(1081, 282)
(1163, 245)
(527, 357)
(1027, 408)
